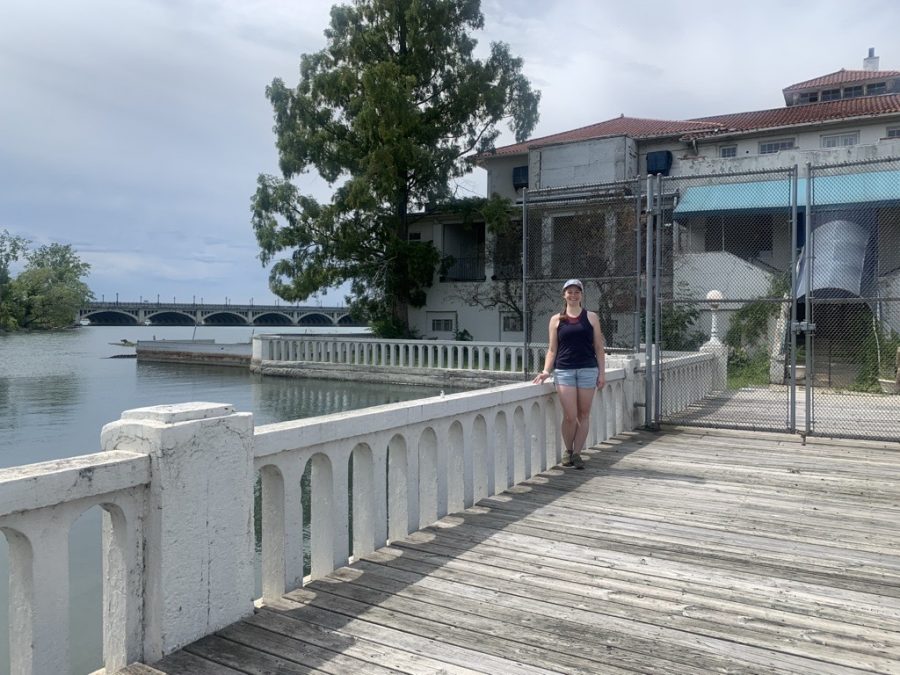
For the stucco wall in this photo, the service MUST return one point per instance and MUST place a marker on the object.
(604, 160)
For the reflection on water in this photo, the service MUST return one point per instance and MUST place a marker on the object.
(58, 389)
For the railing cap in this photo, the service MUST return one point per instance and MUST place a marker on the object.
(179, 412)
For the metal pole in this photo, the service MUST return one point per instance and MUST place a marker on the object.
(792, 416)
(807, 305)
(636, 328)
(525, 336)
(648, 311)
(657, 305)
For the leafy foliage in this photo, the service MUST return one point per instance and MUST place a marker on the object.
(50, 290)
(677, 330)
(392, 108)
(749, 324)
(11, 249)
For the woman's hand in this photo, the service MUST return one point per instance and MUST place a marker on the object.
(541, 377)
(601, 379)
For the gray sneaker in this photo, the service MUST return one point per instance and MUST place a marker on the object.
(567, 459)
(577, 462)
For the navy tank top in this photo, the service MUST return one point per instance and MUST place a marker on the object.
(575, 348)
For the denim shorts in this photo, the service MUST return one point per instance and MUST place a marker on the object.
(583, 378)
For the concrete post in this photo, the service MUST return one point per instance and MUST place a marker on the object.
(715, 346)
(198, 529)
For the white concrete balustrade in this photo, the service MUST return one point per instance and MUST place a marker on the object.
(368, 351)
(176, 485)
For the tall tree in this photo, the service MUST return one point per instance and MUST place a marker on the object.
(12, 247)
(49, 292)
(390, 109)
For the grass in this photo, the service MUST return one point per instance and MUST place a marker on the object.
(748, 371)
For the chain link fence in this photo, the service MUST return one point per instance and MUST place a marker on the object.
(592, 233)
(789, 279)
(723, 246)
(849, 299)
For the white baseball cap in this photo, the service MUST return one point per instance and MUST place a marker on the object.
(574, 282)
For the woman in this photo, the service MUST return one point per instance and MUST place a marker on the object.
(578, 360)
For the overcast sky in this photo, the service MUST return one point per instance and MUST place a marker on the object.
(135, 129)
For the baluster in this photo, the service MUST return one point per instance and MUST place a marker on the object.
(39, 592)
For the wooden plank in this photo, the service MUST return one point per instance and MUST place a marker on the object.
(388, 628)
(185, 663)
(770, 531)
(827, 602)
(613, 641)
(242, 658)
(138, 669)
(844, 648)
(691, 546)
(336, 661)
(458, 628)
(350, 645)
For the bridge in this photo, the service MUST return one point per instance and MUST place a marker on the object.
(193, 314)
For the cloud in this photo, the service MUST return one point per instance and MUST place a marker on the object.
(135, 130)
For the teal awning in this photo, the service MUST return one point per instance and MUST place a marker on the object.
(875, 187)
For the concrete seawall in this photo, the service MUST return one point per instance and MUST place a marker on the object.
(200, 352)
(439, 377)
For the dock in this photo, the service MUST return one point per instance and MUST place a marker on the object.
(687, 551)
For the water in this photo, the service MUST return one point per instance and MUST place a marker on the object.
(58, 389)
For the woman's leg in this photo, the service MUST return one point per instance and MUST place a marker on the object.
(568, 398)
(584, 400)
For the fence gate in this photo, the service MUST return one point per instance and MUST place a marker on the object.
(792, 279)
(849, 299)
(788, 279)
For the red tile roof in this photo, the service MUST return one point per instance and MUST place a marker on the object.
(843, 77)
(635, 127)
(704, 127)
(798, 115)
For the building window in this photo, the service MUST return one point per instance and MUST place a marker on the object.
(853, 92)
(809, 97)
(769, 147)
(876, 88)
(893, 132)
(840, 140)
(512, 323)
(442, 325)
(727, 151)
(415, 236)
(831, 94)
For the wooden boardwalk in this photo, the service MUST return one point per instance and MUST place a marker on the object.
(836, 413)
(690, 551)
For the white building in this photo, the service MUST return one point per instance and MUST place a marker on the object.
(842, 117)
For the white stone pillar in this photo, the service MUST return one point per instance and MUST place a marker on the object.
(199, 522)
(715, 346)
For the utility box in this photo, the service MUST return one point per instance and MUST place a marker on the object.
(659, 162)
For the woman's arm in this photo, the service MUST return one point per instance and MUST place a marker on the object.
(550, 359)
(599, 348)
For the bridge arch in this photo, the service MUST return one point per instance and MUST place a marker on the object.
(272, 319)
(110, 317)
(224, 319)
(315, 319)
(169, 317)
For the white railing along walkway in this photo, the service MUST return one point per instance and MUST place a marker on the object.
(176, 485)
(369, 351)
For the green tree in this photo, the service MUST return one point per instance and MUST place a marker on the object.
(11, 249)
(392, 108)
(49, 292)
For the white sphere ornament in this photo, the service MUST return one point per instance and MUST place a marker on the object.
(714, 298)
